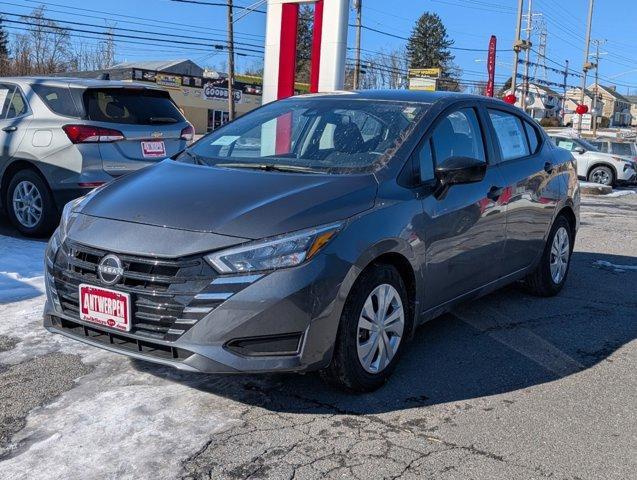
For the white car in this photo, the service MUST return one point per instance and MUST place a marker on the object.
(596, 166)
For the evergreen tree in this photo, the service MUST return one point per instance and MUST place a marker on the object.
(428, 45)
(304, 43)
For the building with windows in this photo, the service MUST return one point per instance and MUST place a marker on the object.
(616, 107)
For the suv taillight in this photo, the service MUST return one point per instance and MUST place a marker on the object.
(89, 134)
(188, 133)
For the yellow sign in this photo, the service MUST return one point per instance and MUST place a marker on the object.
(169, 81)
(425, 72)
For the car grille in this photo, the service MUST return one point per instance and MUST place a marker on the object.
(163, 291)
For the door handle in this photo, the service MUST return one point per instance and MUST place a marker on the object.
(548, 167)
(9, 129)
(494, 193)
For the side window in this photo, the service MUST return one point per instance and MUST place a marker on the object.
(458, 135)
(6, 94)
(426, 162)
(510, 132)
(532, 135)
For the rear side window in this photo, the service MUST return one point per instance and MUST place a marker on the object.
(12, 101)
(622, 149)
(458, 135)
(131, 106)
(58, 99)
(532, 135)
(510, 132)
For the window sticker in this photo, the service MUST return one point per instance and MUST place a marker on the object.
(225, 140)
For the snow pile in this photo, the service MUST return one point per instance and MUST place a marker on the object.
(614, 267)
(118, 421)
(21, 265)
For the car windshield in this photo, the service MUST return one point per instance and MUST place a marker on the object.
(325, 135)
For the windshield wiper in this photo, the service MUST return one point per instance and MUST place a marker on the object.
(271, 167)
(162, 120)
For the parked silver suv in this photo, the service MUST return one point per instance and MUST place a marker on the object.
(61, 137)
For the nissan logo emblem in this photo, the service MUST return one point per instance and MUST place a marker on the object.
(110, 270)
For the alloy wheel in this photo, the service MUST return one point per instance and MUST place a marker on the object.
(560, 252)
(380, 328)
(601, 175)
(27, 204)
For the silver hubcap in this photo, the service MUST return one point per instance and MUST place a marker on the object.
(560, 251)
(27, 204)
(380, 328)
(601, 176)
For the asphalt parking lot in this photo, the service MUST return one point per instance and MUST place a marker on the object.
(508, 387)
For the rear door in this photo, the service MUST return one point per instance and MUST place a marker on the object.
(532, 185)
(150, 122)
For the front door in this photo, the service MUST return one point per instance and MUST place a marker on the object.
(464, 229)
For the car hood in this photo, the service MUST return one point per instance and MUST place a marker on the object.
(236, 202)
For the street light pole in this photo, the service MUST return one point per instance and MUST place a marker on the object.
(230, 62)
(517, 46)
(587, 65)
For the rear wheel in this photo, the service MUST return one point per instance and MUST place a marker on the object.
(374, 323)
(30, 204)
(603, 175)
(550, 275)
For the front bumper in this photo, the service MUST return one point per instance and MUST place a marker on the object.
(283, 321)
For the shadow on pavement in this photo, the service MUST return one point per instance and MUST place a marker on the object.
(503, 342)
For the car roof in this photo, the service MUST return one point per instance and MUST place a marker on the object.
(417, 96)
(75, 82)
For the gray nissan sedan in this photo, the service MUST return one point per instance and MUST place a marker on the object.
(315, 233)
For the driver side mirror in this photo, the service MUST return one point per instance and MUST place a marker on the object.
(458, 170)
(580, 150)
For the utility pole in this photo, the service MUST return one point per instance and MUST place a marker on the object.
(564, 92)
(517, 46)
(587, 65)
(230, 62)
(595, 98)
(529, 27)
(358, 5)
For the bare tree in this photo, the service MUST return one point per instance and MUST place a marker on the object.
(386, 69)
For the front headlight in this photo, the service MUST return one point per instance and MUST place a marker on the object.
(280, 252)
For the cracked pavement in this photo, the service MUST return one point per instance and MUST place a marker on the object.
(507, 387)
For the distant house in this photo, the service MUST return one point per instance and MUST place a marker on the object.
(573, 99)
(542, 101)
(616, 106)
(633, 109)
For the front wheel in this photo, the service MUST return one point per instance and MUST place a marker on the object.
(374, 324)
(549, 276)
(602, 175)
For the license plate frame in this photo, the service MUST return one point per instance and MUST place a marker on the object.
(153, 148)
(105, 307)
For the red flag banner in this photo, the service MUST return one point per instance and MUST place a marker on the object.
(491, 67)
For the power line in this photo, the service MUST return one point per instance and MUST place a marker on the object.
(217, 4)
(217, 46)
(118, 16)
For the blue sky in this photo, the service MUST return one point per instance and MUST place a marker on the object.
(469, 23)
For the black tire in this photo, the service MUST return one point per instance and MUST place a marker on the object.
(346, 371)
(603, 172)
(49, 217)
(540, 282)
